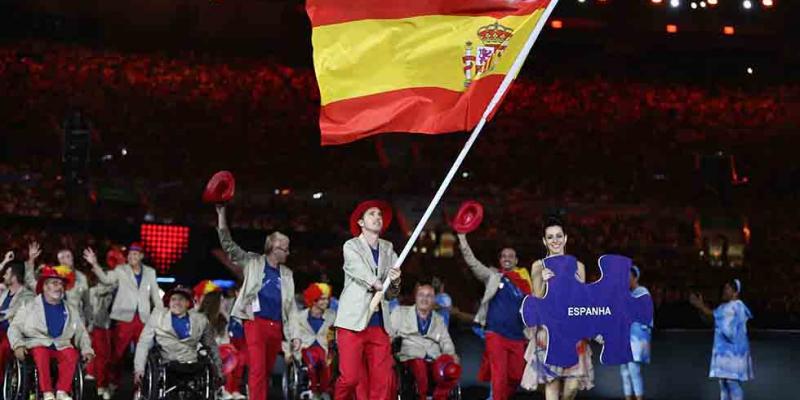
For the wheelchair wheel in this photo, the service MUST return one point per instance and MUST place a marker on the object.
(154, 379)
(292, 380)
(17, 380)
(455, 394)
(206, 380)
(78, 382)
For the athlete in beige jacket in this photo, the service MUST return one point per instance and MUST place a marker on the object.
(265, 304)
(426, 347)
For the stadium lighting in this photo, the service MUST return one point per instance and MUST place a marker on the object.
(656, 1)
(317, 195)
(712, 2)
(750, 70)
(747, 4)
(767, 3)
(693, 5)
(703, 4)
(675, 3)
(728, 30)
(672, 28)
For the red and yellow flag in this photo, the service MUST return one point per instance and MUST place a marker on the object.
(423, 66)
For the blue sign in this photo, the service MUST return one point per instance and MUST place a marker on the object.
(572, 311)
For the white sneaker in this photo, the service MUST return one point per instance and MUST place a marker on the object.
(62, 395)
(225, 395)
(48, 396)
(238, 396)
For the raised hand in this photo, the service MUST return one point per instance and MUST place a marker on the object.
(90, 256)
(34, 251)
(8, 258)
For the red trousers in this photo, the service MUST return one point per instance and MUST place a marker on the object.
(319, 372)
(233, 381)
(5, 352)
(365, 356)
(99, 366)
(67, 360)
(264, 339)
(445, 382)
(125, 333)
(506, 358)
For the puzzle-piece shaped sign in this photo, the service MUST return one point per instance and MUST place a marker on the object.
(572, 311)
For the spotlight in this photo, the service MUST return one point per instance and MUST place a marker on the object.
(703, 4)
(767, 3)
(693, 5)
(656, 1)
(747, 4)
(317, 195)
(675, 3)
(555, 24)
(672, 28)
(728, 30)
(750, 70)
(712, 2)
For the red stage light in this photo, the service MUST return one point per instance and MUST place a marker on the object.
(165, 244)
(557, 24)
(672, 28)
(728, 30)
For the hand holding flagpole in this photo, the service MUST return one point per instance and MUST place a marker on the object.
(509, 77)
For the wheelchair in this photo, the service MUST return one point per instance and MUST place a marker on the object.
(406, 384)
(295, 382)
(175, 380)
(407, 389)
(21, 380)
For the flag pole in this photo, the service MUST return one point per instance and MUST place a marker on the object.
(504, 85)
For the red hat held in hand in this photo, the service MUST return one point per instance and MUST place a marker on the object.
(386, 213)
(468, 217)
(220, 188)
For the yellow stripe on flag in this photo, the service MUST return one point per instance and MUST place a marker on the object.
(365, 57)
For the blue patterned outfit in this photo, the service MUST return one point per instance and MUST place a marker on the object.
(631, 373)
(730, 356)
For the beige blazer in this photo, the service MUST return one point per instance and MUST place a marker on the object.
(159, 330)
(360, 273)
(78, 296)
(131, 298)
(490, 277)
(414, 345)
(253, 271)
(304, 332)
(29, 329)
(101, 297)
(23, 296)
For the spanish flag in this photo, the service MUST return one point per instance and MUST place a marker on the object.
(422, 66)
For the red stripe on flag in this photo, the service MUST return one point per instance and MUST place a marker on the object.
(418, 110)
(327, 12)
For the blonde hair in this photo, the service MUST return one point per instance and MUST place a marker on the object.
(272, 238)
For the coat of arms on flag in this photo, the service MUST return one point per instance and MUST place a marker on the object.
(494, 39)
